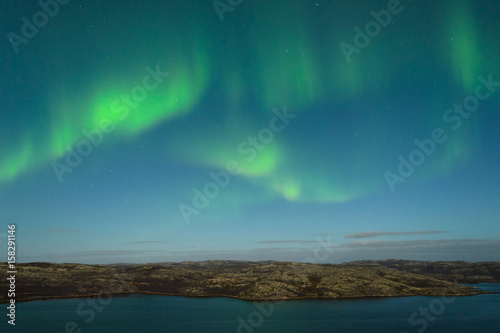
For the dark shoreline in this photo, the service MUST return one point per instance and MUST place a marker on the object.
(89, 296)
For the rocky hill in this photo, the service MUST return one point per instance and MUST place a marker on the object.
(264, 280)
(465, 272)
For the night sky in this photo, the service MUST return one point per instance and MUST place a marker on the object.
(148, 131)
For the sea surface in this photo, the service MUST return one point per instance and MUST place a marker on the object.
(145, 313)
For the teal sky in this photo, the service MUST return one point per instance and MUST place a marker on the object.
(179, 130)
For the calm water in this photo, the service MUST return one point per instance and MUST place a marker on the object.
(143, 313)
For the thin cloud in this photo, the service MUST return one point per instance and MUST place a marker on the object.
(369, 234)
(427, 244)
(99, 253)
(427, 250)
(65, 231)
(147, 242)
(287, 241)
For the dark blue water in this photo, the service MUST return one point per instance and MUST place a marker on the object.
(178, 314)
